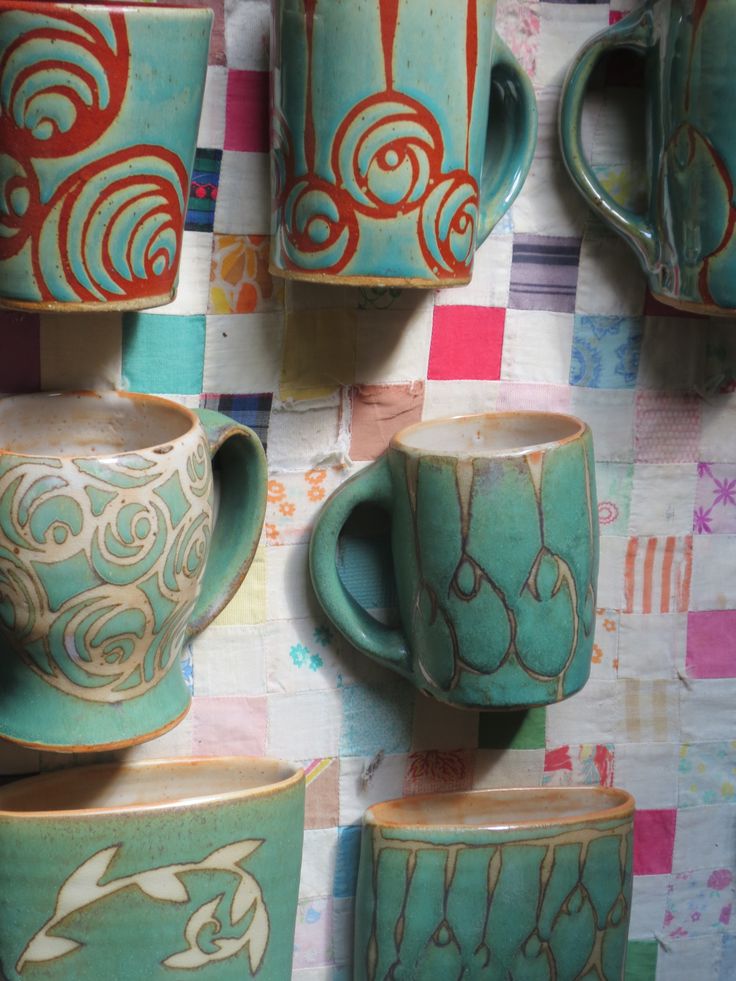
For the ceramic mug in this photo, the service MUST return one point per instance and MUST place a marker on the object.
(513, 884)
(99, 112)
(164, 869)
(387, 167)
(494, 541)
(111, 557)
(685, 238)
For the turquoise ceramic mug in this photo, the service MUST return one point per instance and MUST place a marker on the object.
(99, 112)
(151, 871)
(111, 557)
(387, 165)
(494, 540)
(513, 884)
(684, 239)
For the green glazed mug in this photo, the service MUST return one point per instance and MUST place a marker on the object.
(684, 239)
(111, 557)
(150, 871)
(524, 885)
(494, 541)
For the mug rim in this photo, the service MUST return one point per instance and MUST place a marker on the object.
(398, 443)
(42, 781)
(141, 397)
(124, 6)
(622, 810)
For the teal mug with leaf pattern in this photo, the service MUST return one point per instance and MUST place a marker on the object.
(494, 541)
(111, 557)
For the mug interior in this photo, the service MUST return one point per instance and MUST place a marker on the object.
(489, 434)
(499, 809)
(72, 424)
(145, 786)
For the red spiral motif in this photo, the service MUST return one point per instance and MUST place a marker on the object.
(112, 231)
(62, 85)
(448, 224)
(319, 229)
(386, 153)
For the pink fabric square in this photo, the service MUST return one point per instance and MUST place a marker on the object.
(466, 343)
(224, 725)
(667, 427)
(380, 411)
(519, 396)
(246, 111)
(654, 841)
(711, 644)
(20, 339)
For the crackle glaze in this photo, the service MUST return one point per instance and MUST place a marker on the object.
(504, 885)
(110, 557)
(685, 239)
(494, 539)
(99, 111)
(384, 169)
(156, 870)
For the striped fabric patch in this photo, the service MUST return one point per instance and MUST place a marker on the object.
(657, 574)
(203, 191)
(316, 767)
(544, 273)
(249, 410)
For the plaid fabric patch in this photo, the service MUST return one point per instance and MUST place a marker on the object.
(203, 191)
(249, 410)
(544, 273)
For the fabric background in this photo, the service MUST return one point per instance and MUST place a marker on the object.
(557, 317)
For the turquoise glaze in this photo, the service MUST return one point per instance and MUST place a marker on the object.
(685, 239)
(99, 112)
(111, 557)
(385, 164)
(155, 871)
(494, 538)
(503, 885)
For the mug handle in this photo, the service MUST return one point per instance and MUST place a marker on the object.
(353, 621)
(636, 33)
(511, 138)
(242, 508)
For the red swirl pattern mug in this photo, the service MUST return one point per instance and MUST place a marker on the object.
(401, 132)
(99, 112)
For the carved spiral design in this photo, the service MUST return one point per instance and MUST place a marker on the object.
(320, 229)
(448, 224)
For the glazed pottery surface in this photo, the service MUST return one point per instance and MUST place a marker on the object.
(500, 885)
(145, 871)
(494, 539)
(386, 166)
(99, 112)
(110, 558)
(685, 239)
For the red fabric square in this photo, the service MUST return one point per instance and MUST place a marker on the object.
(466, 343)
(711, 644)
(654, 841)
(246, 111)
(20, 339)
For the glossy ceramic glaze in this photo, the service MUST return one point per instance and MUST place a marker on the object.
(514, 885)
(685, 240)
(384, 168)
(110, 557)
(494, 538)
(99, 111)
(157, 870)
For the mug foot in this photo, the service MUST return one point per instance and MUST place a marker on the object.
(379, 282)
(690, 306)
(87, 306)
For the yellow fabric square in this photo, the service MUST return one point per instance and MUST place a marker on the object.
(319, 353)
(249, 603)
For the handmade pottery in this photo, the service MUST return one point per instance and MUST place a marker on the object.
(520, 885)
(166, 869)
(111, 557)
(386, 167)
(99, 112)
(684, 239)
(494, 539)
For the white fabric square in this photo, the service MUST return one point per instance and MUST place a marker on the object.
(212, 124)
(247, 28)
(311, 433)
(610, 280)
(537, 346)
(713, 584)
(306, 655)
(649, 772)
(610, 415)
(318, 863)
(647, 906)
(243, 353)
(662, 499)
(393, 345)
(192, 293)
(288, 588)
(231, 659)
(651, 645)
(508, 768)
(717, 428)
(563, 29)
(691, 959)
(360, 786)
(672, 354)
(489, 286)
(591, 716)
(444, 398)
(548, 203)
(611, 571)
(707, 710)
(705, 838)
(244, 195)
(650, 710)
(309, 721)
